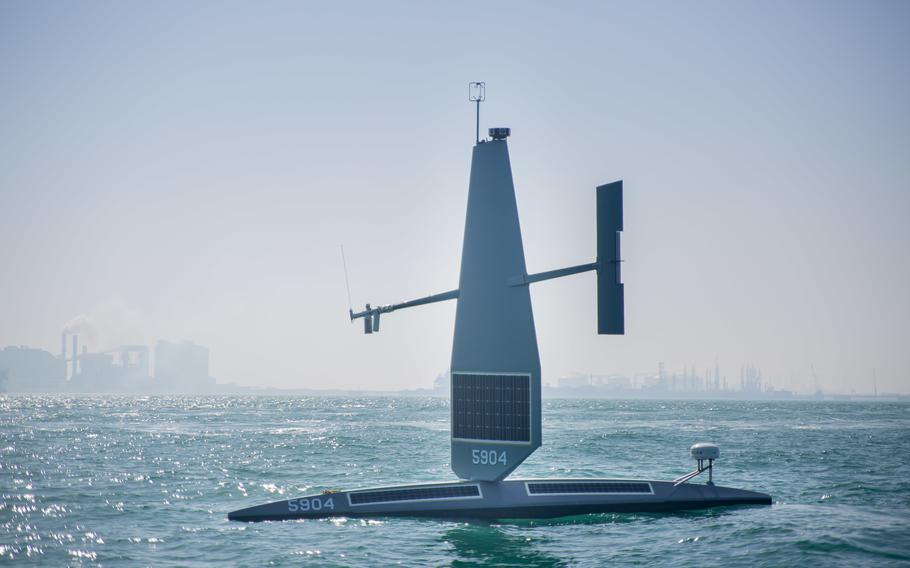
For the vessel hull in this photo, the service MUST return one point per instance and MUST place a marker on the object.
(509, 499)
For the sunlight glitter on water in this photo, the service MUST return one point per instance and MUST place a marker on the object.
(149, 480)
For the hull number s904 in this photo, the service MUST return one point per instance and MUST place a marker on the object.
(488, 457)
(310, 504)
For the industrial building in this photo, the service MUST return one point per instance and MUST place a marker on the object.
(179, 367)
(123, 369)
(31, 370)
(182, 367)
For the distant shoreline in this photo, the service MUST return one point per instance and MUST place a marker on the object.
(548, 393)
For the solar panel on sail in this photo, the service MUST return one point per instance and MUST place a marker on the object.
(491, 407)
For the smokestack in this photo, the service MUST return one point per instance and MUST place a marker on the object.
(63, 352)
(75, 354)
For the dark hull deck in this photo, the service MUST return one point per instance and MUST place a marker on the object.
(510, 499)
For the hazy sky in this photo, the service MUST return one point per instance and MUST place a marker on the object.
(188, 170)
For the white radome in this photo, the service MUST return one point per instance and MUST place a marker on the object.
(704, 451)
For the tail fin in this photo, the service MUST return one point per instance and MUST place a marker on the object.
(610, 294)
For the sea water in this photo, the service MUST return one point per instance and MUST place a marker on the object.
(132, 480)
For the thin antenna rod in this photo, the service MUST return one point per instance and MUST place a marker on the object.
(477, 127)
(477, 94)
(347, 283)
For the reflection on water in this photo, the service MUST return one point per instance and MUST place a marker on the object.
(491, 545)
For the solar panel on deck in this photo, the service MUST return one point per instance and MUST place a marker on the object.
(417, 494)
(554, 488)
(491, 407)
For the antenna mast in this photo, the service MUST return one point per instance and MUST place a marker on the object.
(347, 282)
(477, 94)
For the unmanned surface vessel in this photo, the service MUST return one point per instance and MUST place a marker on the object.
(495, 379)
